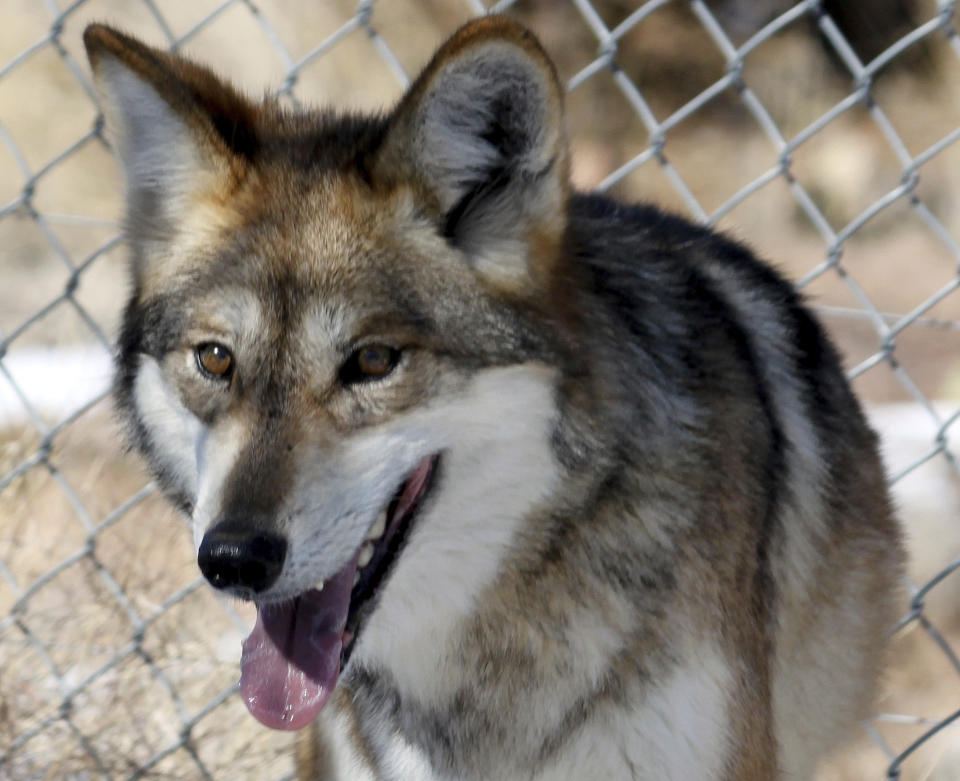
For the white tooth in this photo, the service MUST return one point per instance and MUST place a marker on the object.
(379, 527)
(356, 578)
(366, 553)
(318, 586)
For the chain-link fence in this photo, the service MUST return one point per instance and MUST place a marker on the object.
(823, 133)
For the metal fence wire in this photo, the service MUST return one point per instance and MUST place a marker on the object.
(823, 133)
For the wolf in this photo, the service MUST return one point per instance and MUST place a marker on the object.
(524, 482)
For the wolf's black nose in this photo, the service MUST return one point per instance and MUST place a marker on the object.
(235, 558)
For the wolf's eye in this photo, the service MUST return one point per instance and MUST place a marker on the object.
(215, 360)
(370, 362)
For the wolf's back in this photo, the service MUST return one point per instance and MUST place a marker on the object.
(727, 407)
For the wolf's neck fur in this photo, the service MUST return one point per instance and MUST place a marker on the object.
(498, 470)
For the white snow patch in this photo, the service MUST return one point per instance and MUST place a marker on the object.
(55, 381)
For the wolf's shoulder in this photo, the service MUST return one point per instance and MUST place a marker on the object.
(649, 242)
(673, 283)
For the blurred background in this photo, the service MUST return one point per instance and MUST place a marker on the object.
(824, 134)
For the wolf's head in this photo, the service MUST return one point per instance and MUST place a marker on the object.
(337, 354)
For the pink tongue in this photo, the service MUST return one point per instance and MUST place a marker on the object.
(291, 660)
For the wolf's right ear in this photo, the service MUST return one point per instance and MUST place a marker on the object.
(480, 138)
(177, 130)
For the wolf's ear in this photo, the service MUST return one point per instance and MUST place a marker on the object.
(176, 129)
(480, 137)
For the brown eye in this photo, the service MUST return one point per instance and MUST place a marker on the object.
(215, 360)
(371, 362)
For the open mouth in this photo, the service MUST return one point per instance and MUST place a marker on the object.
(293, 657)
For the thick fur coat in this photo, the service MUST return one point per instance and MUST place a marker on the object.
(526, 483)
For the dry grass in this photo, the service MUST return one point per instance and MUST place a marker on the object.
(77, 622)
(139, 688)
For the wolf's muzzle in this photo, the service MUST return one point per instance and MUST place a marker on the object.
(232, 558)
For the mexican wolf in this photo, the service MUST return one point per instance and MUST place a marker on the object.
(525, 483)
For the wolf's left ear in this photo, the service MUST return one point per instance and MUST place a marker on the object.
(480, 138)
